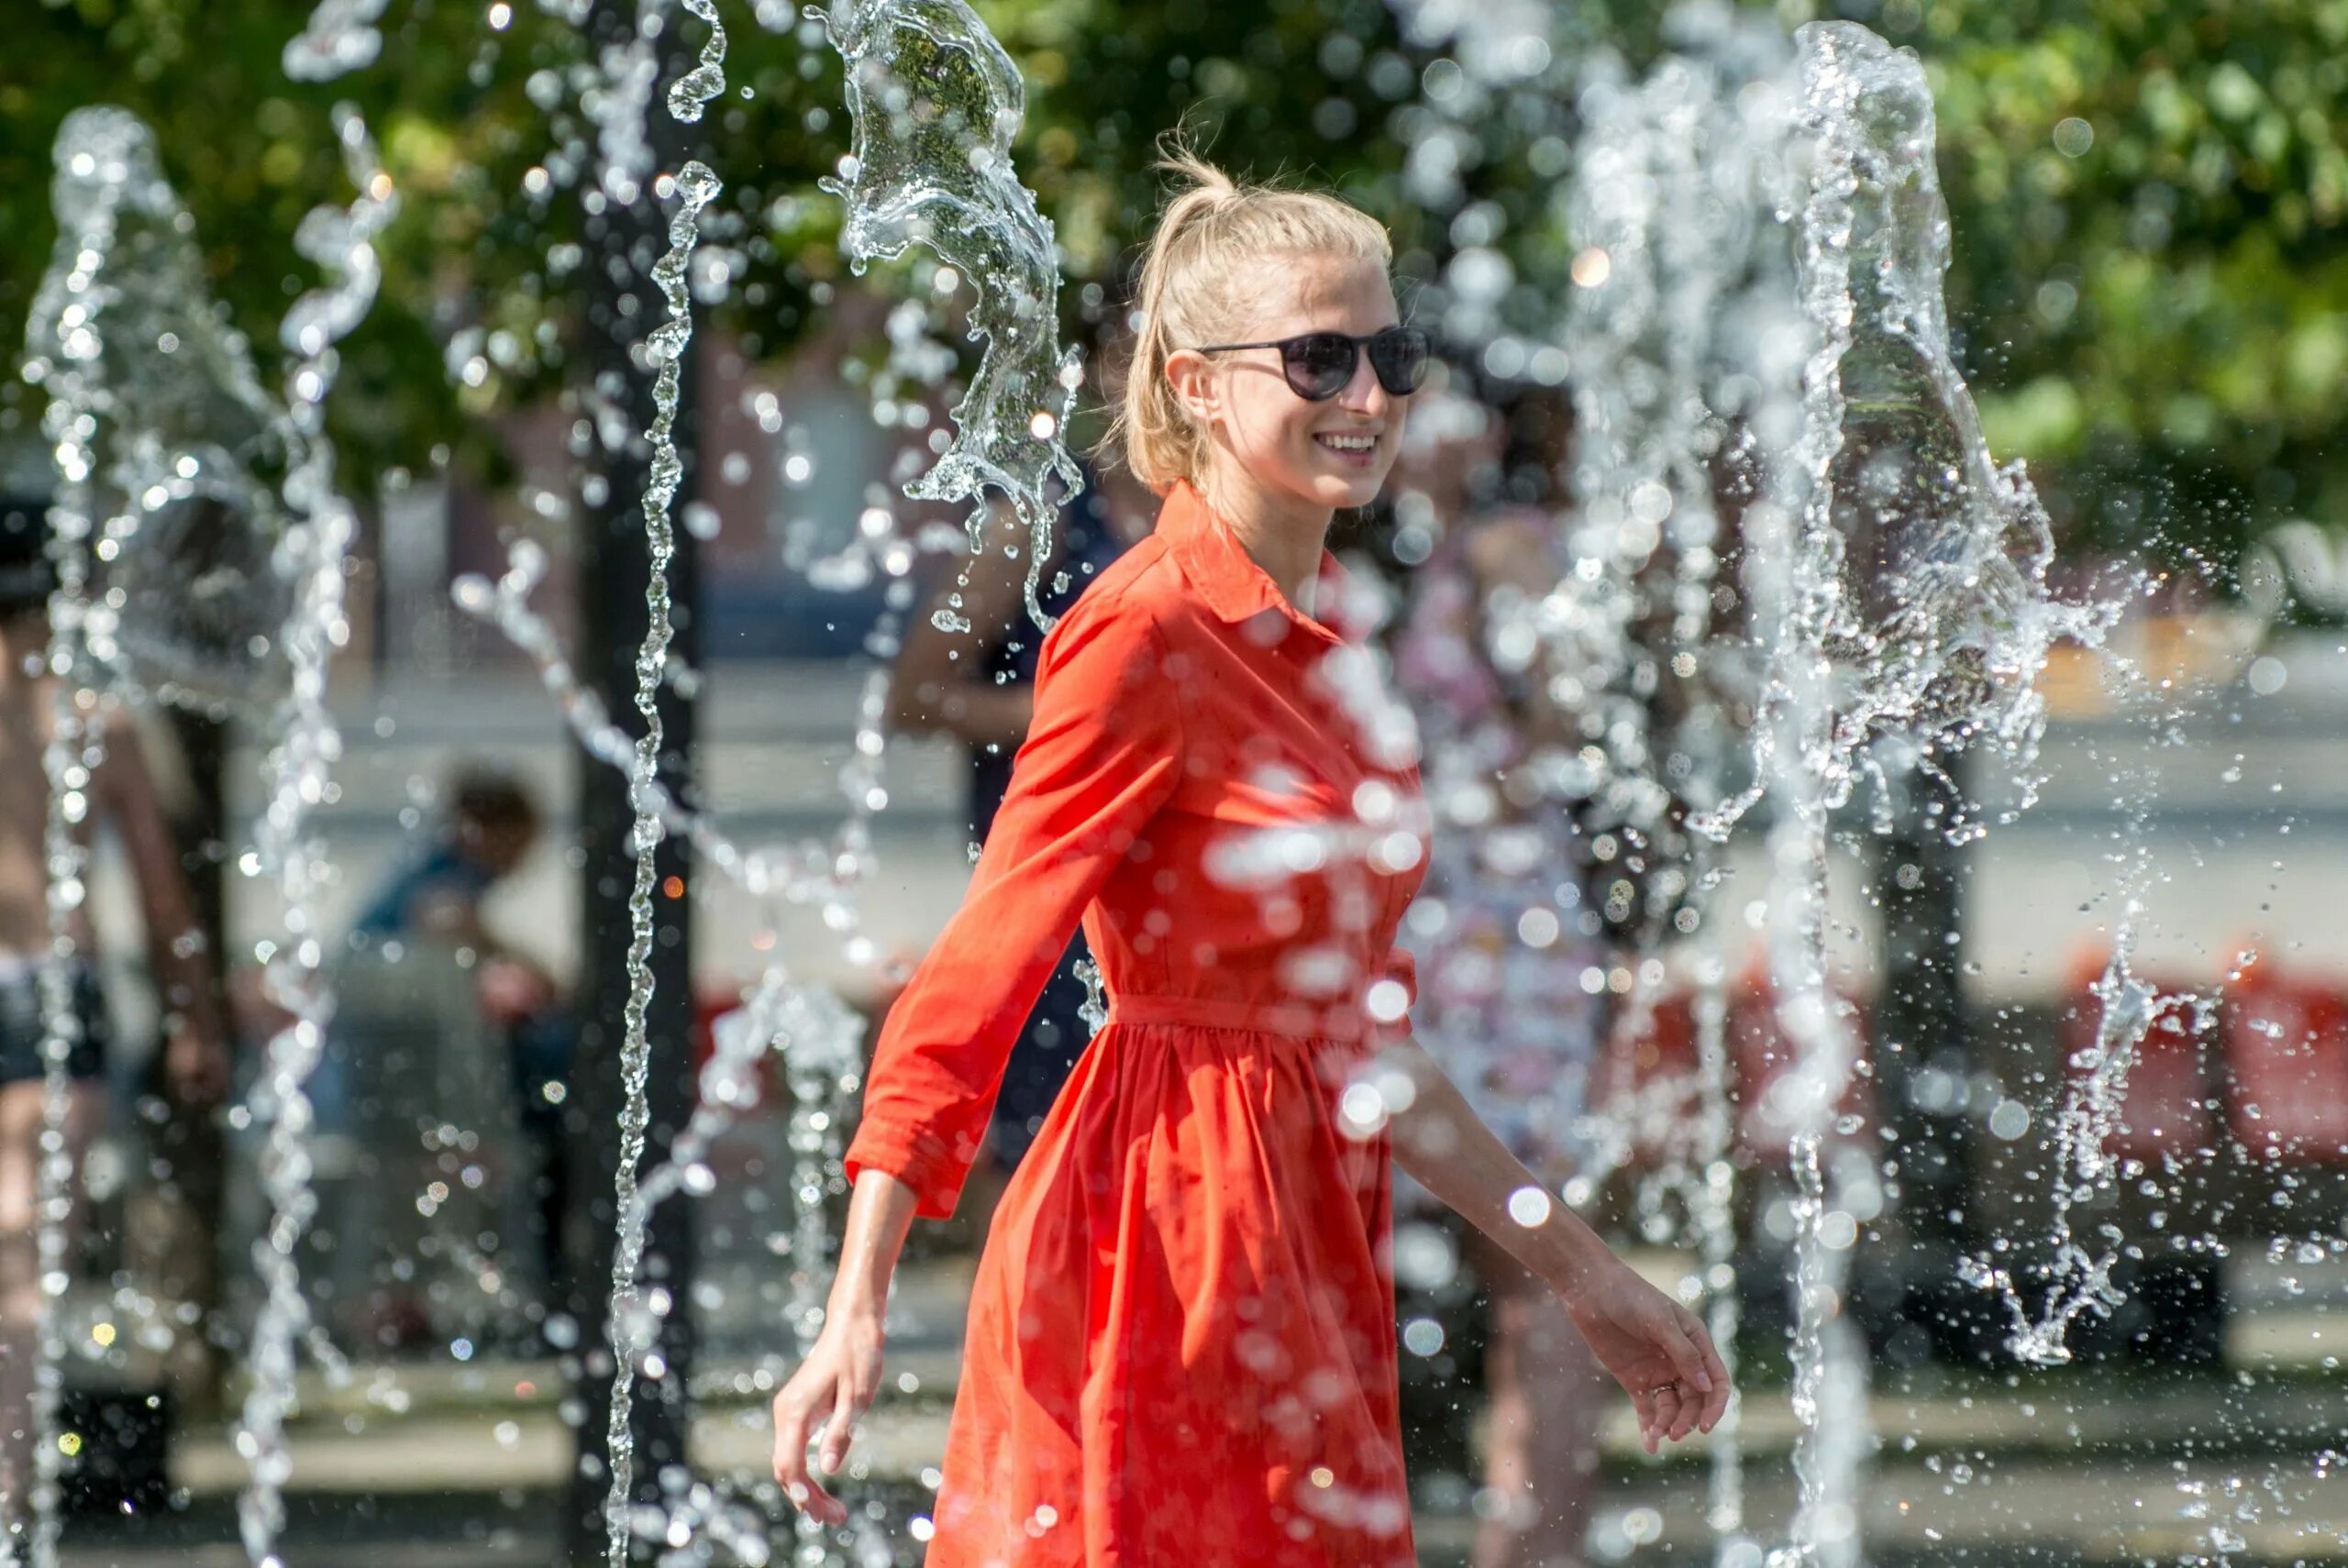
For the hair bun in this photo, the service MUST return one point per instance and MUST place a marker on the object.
(1188, 292)
(1179, 159)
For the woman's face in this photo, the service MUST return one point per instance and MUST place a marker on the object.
(1295, 454)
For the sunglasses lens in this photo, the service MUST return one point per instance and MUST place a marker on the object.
(1319, 364)
(1400, 358)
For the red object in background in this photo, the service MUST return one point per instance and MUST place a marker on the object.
(1654, 1074)
(1760, 1055)
(2287, 1064)
(712, 1003)
(2164, 1101)
(1651, 1077)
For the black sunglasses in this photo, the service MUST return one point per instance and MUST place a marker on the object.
(1320, 365)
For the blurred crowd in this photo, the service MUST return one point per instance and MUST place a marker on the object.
(441, 1083)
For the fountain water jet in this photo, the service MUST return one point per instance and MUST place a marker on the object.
(1761, 248)
(935, 105)
(696, 185)
(153, 403)
(312, 559)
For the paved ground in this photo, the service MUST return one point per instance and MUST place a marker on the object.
(442, 1490)
(463, 1464)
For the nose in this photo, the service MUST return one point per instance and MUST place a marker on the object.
(1365, 395)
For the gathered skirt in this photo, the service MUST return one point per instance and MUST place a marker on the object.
(1180, 1347)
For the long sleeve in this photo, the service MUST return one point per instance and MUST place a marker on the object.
(1101, 756)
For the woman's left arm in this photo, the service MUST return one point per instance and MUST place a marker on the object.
(1652, 1346)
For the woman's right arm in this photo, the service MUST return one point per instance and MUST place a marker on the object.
(835, 1385)
(1104, 753)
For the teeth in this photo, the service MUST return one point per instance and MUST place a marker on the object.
(1350, 443)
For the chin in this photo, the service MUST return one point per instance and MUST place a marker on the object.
(1344, 490)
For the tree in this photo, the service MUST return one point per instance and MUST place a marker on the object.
(2147, 200)
(2151, 215)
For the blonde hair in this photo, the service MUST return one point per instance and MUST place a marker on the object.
(1191, 291)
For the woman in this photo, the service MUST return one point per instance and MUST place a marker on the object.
(1182, 1333)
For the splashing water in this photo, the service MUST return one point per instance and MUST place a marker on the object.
(1659, 208)
(809, 872)
(1660, 212)
(1902, 575)
(695, 186)
(935, 105)
(1905, 591)
(1931, 586)
(820, 1037)
(894, 193)
(165, 434)
(340, 241)
(1714, 1203)
(156, 418)
(154, 399)
(1957, 548)
(2088, 1117)
(64, 322)
(630, 68)
(819, 1040)
(341, 38)
(692, 93)
(1763, 248)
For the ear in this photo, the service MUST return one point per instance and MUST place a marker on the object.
(1196, 386)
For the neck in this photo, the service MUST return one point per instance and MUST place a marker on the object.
(1281, 534)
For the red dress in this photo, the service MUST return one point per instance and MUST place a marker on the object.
(1182, 1336)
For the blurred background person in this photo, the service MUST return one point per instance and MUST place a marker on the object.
(123, 801)
(1502, 952)
(978, 687)
(430, 913)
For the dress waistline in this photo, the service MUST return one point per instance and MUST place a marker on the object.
(1293, 1020)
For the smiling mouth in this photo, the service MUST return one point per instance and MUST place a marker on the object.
(1357, 445)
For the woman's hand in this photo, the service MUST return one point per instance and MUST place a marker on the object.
(829, 1393)
(1655, 1348)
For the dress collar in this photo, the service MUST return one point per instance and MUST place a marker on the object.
(1227, 578)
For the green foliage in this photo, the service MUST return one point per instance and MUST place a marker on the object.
(484, 278)
(2149, 203)
(2147, 199)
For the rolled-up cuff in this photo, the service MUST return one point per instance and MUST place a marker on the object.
(921, 1160)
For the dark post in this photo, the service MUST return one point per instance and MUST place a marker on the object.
(190, 1144)
(613, 561)
(1923, 1060)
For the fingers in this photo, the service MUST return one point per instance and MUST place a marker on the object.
(792, 1419)
(1695, 1395)
(1671, 1414)
(1644, 1404)
(1716, 1402)
(1679, 1342)
(839, 1429)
